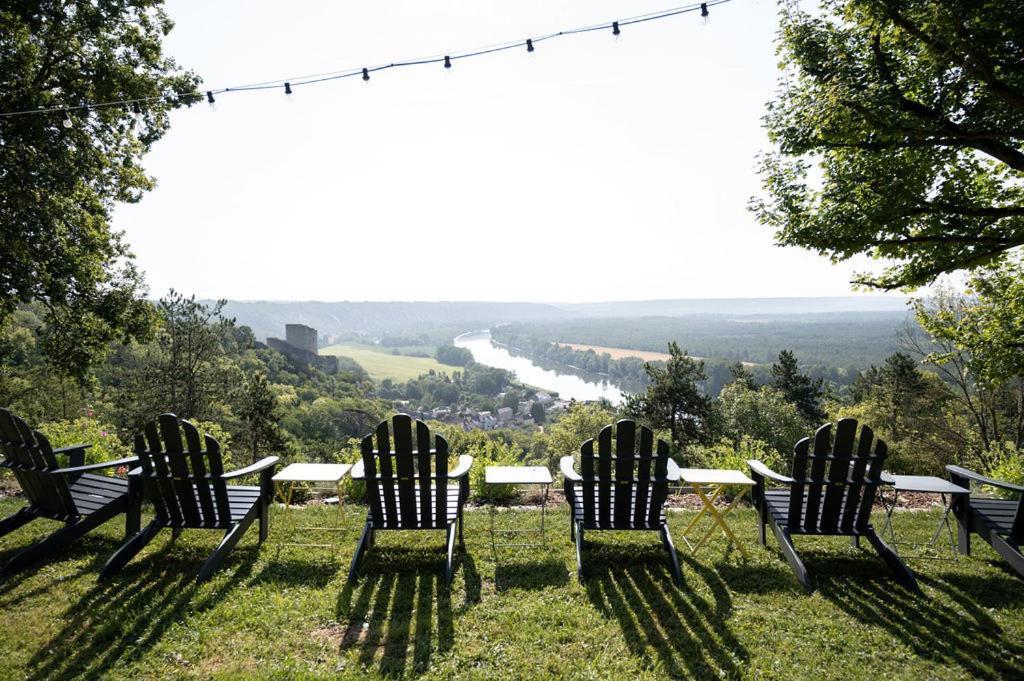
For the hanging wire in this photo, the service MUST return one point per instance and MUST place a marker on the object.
(445, 58)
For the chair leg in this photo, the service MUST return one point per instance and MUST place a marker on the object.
(13, 522)
(175, 533)
(60, 539)
(855, 541)
(666, 539)
(462, 541)
(792, 557)
(364, 543)
(572, 529)
(1010, 553)
(451, 555)
(128, 550)
(216, 559)
(579, 551)
(265, 519)
(903, 574)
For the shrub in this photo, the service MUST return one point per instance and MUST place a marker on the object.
(491, 453)
(1005, 463)
(106, 445)
(728, 455)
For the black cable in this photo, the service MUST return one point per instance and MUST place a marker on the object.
(310, 79)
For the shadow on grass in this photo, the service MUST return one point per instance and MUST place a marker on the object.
(538, 574)
(955, 627)
(685, 631)
(300, 572)
(121, 619)
(400, 610)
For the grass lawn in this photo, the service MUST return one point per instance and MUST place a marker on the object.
(380, 363)
(288, 612)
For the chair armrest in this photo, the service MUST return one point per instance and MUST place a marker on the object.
(260, 465)
(75, 454)
(673, 472)
(985, 480)
(75, 470)
(758, 468)
(71, 448)
(566, 465)
(465, 461)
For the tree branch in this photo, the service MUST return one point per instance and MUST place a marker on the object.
(997, 150)
(972, 61)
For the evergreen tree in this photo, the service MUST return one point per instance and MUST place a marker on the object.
(799, 389)
(674, 399)
(261, 415)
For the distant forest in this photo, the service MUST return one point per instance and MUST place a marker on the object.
(830, 346)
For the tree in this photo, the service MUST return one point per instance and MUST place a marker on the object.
(763, 414)
(797, 388)
(913, 412)
(580, 422)
(913, 112)
(739, 373)
(61, 172)
(261, 415)
(674, 400)
(537, 413)
(988, 386)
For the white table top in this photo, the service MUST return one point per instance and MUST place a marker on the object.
(313, 472)
(714, 476)
(517, 475)
(927, 483)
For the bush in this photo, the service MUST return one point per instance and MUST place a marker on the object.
(106, 445)
(491, 453)
(728, 455)
(1007, 464)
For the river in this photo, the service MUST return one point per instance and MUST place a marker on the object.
(568, 386)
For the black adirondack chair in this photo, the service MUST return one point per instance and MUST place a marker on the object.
(830, 493)
(1000, 522)
(72, 495)
(623, 486)
(407, 485)
(183, 476)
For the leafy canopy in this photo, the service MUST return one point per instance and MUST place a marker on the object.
(58, 184)
(899, 133)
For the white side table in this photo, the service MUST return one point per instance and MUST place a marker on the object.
(317, 476)
(519, 475)
(925, 484)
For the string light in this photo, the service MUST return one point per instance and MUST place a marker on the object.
(190, 98)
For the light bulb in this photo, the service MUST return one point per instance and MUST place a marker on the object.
(705, 16)
(68, 123)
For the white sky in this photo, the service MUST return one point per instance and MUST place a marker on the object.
(594, 169)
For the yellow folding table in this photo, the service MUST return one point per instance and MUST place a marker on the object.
(709, 484)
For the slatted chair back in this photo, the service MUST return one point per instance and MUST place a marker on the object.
(31, 459)
(835, 479)
(182, 474)
(400, 464)
(624, 482)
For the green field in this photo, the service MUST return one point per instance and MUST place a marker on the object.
(289, 613)
(380, 363)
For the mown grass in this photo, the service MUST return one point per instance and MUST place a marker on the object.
(286, 612)
(380, 363)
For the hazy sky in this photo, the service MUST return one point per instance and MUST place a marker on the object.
(596, 168)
